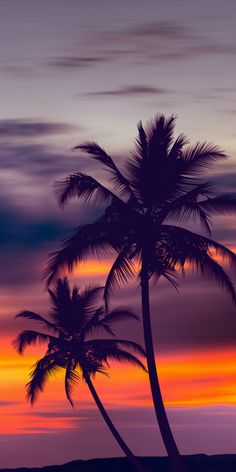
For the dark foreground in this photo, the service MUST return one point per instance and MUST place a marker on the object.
(194, 463)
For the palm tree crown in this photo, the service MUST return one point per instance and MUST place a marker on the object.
(73, 321)
(162, 180)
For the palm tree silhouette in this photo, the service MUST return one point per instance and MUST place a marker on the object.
(70, 345)
(162, 181)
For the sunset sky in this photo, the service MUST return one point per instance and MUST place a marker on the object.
(78, 70)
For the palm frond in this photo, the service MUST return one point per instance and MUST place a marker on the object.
(31, 315)
(121, 313)
(75, 294)
(47, 366)
(188, 206)
(89, 298)
(104, 325)
(29, 338)
(121, 356)
(61, 293)
(93, 370)
(121, 271)
(204, 189)
(193, 210)
(102, 321)
(160, 136)
(61, 301)
(222, 251)
(97, 323)
(84, 186)
(182, 245)
(162, 267)
(170, 276)
(200, 157)
(131, 345)
(71, 381)
(103, 350)
(114, 343)
(141, 143)
(211, 270)
(224, 204)
(176, 150)
(93, 239)
(175, 235)
(98, 153)
(153, 177)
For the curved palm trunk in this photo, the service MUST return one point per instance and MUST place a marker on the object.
(133, 460)
(166, 433)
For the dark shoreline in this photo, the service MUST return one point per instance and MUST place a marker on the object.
(194, 463)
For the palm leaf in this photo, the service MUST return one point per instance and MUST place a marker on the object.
(97, 322)
(193, 210)
(200, 157)
(114, 343)
(176, 235)
(89, 298)
(82, 185)
(169, 275)
(188, 206)
(121, 313)
(210, 269)
(42, 370)
(159, 266)
(224, 204)
(160, 136)
(104, 350)
(61, 293)
(29, 338)
(61, 301)
(121, 356)
(176, 150)
(98, 153)
(93, 239)
(150, 177)
(31, 315)
(71, 381)
(182, 245)
(131, 345)
(121, 271)
(141, 143)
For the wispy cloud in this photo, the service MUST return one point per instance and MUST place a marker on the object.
(142, 44)
(161, 29)
(130, 91)
(22, 128)
(146, 42)
(76, 62)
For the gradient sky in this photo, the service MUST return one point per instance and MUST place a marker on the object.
(75, 70)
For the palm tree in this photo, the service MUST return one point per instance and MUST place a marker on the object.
(162, 181)
(71, 346)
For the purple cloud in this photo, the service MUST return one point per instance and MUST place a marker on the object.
(21, 128)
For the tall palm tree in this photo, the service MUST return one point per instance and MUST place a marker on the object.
(162, 180)
(71, 345)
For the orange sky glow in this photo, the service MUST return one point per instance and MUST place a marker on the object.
(188, 378)
(202, 378)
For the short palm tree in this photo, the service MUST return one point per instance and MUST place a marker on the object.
(162, 181)
(71, 345)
